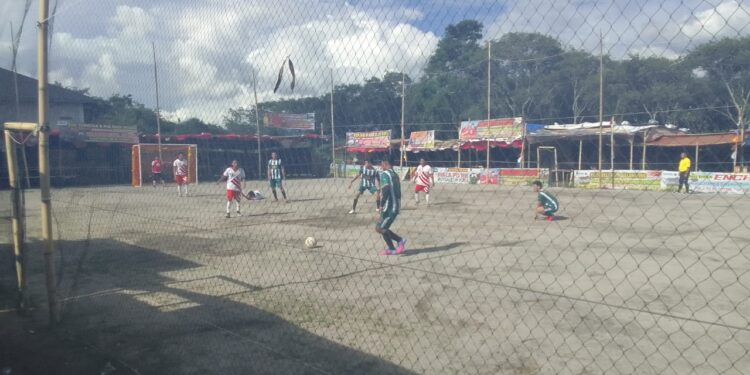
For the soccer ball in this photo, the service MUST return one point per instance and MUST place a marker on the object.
(310, 242)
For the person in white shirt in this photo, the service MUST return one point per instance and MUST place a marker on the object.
(235, 177)
(180, 170)
(424, 179)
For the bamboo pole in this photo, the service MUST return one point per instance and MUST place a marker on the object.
(44, 177)
(17, 211)
(20, 126)
(257, 126)
(158, 110)
(403, 96)
(489, 92)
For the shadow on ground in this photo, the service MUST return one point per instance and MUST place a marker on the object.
(434, 249)
(134, 319)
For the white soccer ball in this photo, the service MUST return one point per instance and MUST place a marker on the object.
(310, 242)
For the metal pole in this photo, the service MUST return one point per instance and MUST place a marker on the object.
(44, 177)
(489, 92)
(333, 134)
(601, 101)
(16, 218)
(257, 127)
(403, 96)
(612, 149)
(158, 111)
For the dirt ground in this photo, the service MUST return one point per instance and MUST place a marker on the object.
(623, 282)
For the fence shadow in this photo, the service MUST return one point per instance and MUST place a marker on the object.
(122, 304)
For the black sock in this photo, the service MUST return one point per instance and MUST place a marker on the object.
(394, 236)
(283, 192)
(388, 240)
(354, 205)
(274, 194)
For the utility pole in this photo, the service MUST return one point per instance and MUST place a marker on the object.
(158, 111)
(403, 106)
(489, 92)
(601, 101)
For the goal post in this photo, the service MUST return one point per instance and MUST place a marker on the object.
(143, 154)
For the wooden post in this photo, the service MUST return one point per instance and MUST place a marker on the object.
(333, 134)
(158, 111)
(489, 93)
(403, 96)
(44, 177)
(580, 154)
(17, 211)
(632, 140)
(601, 101)
(697, 156)
(643, 157)
(257, 126)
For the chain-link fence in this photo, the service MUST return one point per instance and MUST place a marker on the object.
(290, 263)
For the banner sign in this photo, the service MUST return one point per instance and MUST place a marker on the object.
(504, 129)
(304, 121)
(489, 176)
(422, 140)
(623, 179)
(708, 182)
(376, 139)
(98, 133)
(522, 176)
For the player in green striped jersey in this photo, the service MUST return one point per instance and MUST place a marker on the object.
(369, 182)
(390, 204)
(276, 175)
(546, 204)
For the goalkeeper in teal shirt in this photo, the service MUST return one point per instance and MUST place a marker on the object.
(546, 203)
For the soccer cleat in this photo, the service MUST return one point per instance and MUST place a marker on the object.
(550, 218)
(239, 214)
(401, 246)
(351, 212)
(387, 252)
(228, 216)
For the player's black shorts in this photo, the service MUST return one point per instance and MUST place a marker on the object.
(156, 176)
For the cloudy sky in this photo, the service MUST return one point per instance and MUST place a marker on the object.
(207, 50)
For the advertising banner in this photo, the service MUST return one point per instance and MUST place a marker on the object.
(303, 121)
(709, 182)
(504, 129)
(452, 175)
(522, 176)
(375, 139)
(489, 176)
(98, 133)
(623, 179)
(422, 140)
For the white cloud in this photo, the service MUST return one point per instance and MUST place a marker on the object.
(651, 28)
(208, 49)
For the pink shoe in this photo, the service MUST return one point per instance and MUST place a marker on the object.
(387, 252)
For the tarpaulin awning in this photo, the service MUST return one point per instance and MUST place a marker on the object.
(687, 140)
(482, 145)
(585, 131)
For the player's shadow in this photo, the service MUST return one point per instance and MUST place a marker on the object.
(305, 200)
(561, 218)
(434, 249)
(160, 312)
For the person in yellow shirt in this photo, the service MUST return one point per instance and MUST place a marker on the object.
(684, 170)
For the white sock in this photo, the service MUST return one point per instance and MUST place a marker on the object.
(237, 203)
(229, 204)
(185, 189)
(427, 198)
(416, 197)
(179, 190)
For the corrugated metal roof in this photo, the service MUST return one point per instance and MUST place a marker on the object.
(685, 140)
(27, 90)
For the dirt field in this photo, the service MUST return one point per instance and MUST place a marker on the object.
(624, 282)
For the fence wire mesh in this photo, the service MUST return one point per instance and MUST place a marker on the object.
(300, 273)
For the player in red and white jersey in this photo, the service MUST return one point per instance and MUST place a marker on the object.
(180, 170)
(235, 177)
(424, 179)
(156, 171)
